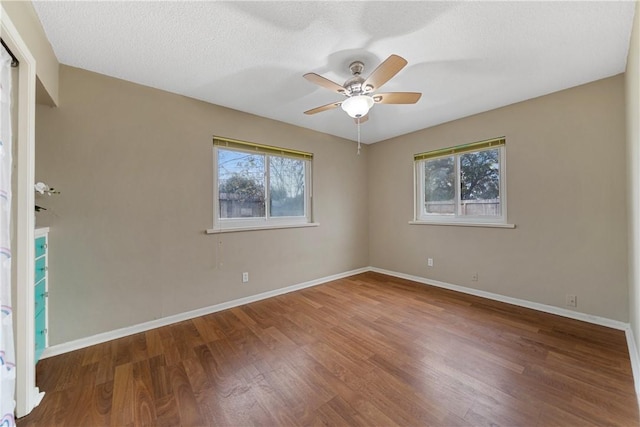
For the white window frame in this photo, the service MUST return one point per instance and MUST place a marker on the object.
(421, 217)
(221, 225)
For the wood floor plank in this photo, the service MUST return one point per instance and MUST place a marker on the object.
(190, 414)
(553, 416)
(102, 403)
(224, 376)
(267, 397)
(123, 395)
(84, 396)
(144, 407)
(167, 413)
(124, 350)
(139, 347)
(160, 382)
(154, 343)
(207, 333)
(196, 374)
(368, 350)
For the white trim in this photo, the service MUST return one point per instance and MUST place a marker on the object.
(635, 360)
(221, 225)
(465, 224)
(420, 217)
(261, 227)
(42, 231)
(141, 327)
(28, 396)
(597, 320)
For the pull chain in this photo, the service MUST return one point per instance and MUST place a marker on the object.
(358, 135)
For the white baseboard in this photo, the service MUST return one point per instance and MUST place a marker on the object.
(635, 360)
(142, 327)
(57, 349)
(603, 321)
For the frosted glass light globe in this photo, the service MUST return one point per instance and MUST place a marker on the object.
(357, 106)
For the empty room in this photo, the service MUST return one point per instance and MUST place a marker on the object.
(236, 213)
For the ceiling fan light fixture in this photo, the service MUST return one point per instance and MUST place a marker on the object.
(357, 106)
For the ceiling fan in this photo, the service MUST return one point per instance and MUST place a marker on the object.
(360, 92)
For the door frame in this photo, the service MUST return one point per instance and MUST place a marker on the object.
(28, 396)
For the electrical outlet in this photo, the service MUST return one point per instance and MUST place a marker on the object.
(474, 278)
(430, 262)
(245, 277)
(572, 301)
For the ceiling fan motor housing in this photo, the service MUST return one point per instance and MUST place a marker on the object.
(354, 86)
(356, 68)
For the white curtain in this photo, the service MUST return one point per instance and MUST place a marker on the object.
(7, 354)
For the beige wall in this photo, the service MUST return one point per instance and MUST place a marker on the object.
(134, 167)
(632, 94)
(26, 21)
(566, 195)
(127, 241)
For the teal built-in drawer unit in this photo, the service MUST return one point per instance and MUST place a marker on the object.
(41, 291)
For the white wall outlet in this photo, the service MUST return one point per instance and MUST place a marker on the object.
(430, 262)
(245, 277)
(474, 277)
(572, 301)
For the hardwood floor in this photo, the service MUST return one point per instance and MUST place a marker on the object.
(368, 350)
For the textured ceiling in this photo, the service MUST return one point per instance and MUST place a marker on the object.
(465, 57)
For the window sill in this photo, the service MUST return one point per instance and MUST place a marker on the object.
(465, 224)
(260, 227)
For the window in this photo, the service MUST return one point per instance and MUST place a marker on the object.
(258, 186)
(463, 184)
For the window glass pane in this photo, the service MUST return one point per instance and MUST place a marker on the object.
(480, 183)
(439, 186)
(286, 186)
(240, 184)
